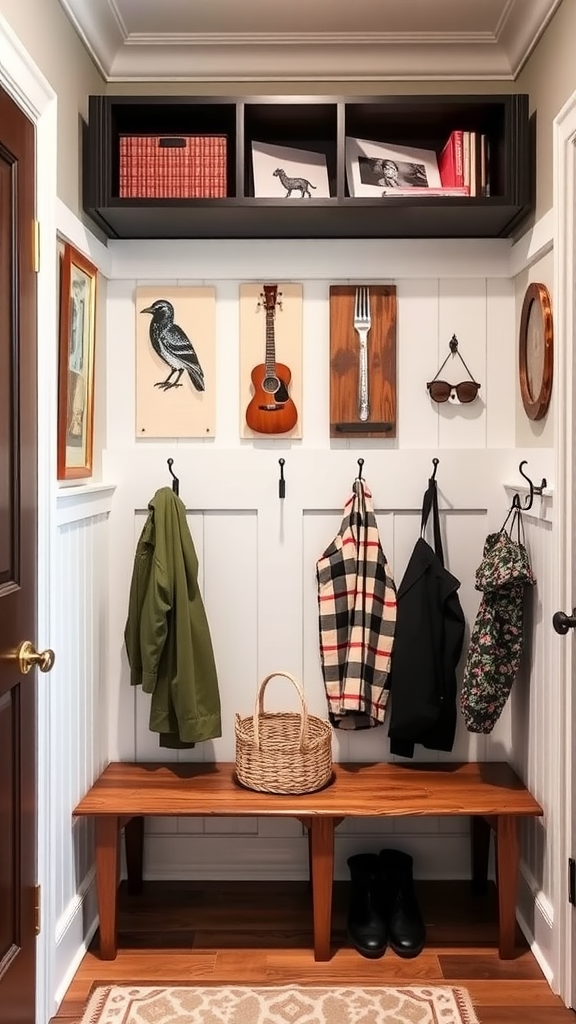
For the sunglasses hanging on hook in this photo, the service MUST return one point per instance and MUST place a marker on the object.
(464, 392)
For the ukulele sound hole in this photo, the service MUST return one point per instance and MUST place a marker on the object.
(270, 385)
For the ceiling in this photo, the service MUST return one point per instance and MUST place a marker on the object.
(309, 40)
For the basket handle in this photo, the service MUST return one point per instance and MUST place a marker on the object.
(259, 707)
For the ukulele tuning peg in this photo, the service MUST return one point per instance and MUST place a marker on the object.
(279, 300)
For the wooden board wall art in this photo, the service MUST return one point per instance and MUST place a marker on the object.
(271, 360)
(175, 361)
(363, 361)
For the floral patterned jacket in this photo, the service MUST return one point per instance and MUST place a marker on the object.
(497, 637)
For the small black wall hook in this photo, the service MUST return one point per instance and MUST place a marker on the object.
(281, 482)
(435, 464)
(516, 503)
(175, 480)
(360, 464)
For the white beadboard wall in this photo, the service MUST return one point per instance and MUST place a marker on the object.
(257, 553)
(77, 690)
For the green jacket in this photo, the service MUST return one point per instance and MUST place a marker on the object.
(167, 636)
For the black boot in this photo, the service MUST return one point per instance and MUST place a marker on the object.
(367, 929)
(406, 929)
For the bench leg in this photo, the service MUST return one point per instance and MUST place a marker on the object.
(480, 836)
(134, 844)
(507, 869)
(321, 839)
(107, 833)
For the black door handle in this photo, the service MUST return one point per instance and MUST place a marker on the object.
(562, 622)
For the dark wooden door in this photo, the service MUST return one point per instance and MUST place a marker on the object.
(18, 514)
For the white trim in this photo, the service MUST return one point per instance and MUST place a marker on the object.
(22, 79)
(72, 230)
(74, 931)
(100, 28)
(535, 948)
(542, 506)
(564, 136)
(318, 56)
(89, 931)
(535, 915)
(533, 245)
(76, 503)
(396, 258)
(520, 29)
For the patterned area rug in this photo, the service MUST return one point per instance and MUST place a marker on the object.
(289, 1004)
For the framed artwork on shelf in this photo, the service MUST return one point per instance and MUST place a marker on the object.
(378, 169)
(76, 365)
(281, 172)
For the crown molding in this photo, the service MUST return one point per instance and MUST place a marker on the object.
(100, 28)
(520, 28)
(307, 57)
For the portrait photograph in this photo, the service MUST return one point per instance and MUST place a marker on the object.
(375, 167)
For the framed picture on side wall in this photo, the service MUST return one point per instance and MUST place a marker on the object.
(76, 365)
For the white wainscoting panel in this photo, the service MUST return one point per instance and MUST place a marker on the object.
(257, 557)
(533, 728)
(77, 693)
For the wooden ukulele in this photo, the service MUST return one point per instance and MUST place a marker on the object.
(271, 410)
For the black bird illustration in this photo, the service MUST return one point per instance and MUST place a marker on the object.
(173, 346)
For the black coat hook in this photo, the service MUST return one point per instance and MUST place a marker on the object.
(516, 503)
(175, 480)
(435, 464)
(281, 482)
(360, 464)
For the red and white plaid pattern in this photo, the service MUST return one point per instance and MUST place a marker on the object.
(357, 617)
(173, 167)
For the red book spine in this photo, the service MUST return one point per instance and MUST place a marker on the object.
(450, 161)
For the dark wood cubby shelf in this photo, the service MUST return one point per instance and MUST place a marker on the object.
(318, 123)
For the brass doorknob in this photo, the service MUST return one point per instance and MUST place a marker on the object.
(28, 656)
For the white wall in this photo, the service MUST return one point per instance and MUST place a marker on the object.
(257, 555)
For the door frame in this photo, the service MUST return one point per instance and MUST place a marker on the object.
(27, 86)
(564, 203)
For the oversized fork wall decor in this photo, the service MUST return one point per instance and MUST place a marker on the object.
(363, 360)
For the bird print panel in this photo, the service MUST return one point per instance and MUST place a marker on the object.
(175, 361)
(271, 359)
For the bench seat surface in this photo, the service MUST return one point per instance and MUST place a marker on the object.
(357, 790)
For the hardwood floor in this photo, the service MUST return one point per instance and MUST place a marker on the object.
(251, 932)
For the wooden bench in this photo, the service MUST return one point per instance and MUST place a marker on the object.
(490, 793)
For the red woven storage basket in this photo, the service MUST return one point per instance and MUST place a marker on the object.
(172, 166)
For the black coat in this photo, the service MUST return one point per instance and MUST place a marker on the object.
(427, 647)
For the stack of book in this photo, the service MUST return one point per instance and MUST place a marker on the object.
(464, 162)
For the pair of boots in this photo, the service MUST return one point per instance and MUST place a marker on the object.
(383, 909)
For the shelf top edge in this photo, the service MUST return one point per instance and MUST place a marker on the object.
(301, 99)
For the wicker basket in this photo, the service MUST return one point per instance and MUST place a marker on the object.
(283, 752)
(172, 166)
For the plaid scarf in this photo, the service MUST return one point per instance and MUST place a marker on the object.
(357, 617)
